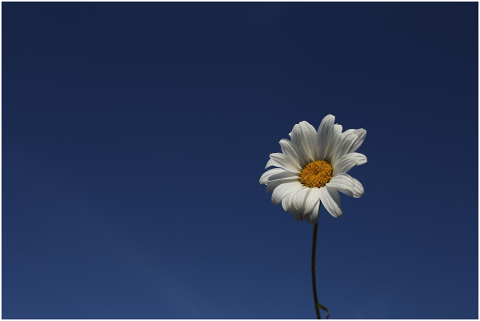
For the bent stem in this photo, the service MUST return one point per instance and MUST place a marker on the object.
(314, 283)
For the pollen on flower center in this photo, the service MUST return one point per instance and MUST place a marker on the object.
(316, 174)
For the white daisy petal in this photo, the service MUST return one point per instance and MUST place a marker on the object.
(312, 199)
(296, 214)
(283, 190)
(287, 201)
(342, 146)
(348, 161)
(334, 140)
(283, 161)
(348, 132)
(343, 181)
(357, 189)
(280, 178)
(313, 217)
(323, 135)
(289, 149)
(310, 135)
(344, 164)
(300, 198)
(346, 191)
(335, 196)
(361, 159)
(304, 136)
(265, 177)
(287, 204)
(284, 175)
(331, 201)
(271, 185)
(361, 134)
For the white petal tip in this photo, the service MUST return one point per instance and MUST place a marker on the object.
(297, 218)
(311, 220)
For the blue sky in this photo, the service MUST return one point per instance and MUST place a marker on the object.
(134, 136)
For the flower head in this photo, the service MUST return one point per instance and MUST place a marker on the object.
(312, 168)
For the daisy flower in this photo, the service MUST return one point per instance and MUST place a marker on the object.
(312, 168)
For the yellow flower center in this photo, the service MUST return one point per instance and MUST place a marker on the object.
(316, 174)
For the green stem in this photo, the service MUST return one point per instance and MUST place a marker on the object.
(314, 283)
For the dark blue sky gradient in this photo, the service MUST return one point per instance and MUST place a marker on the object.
(134, 136)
